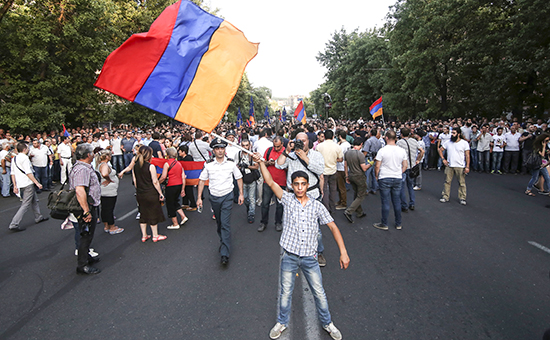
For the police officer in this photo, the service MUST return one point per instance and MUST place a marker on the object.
(220, 170)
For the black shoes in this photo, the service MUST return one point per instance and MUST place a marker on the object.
(18, 229)
(278, 227)
(261, 227)
(348, 216)
(87, 270)
(405, 210)
(43, 219)
(361, 215)
(93, 260)
(225, 260)
(411, 207)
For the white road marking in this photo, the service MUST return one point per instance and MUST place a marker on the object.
(540, 246)
(127, 215)
(313, 331)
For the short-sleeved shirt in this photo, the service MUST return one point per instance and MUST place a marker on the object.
(315, 167)
(20, 169)
(456, 153)
(301, 224)
(64, 151)
(391, 158)
(331, 152)
(345, 146)
(199, 150)
(354, 159)
(128, 144)
(498, 143)
(155, 145)
(512, 141)
(84, 175)
(40, 155)
(412, 145)
(220, 176)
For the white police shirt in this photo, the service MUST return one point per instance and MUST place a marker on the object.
(220, 176)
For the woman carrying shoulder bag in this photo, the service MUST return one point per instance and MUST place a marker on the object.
(175, 188)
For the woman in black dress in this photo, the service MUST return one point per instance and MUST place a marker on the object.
(149, 194)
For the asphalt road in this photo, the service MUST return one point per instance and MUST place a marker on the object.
(479, 271)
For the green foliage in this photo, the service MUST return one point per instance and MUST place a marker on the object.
(442, 58)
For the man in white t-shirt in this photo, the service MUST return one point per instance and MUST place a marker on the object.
(39, 155)
(497, 149)
(65, 152)
(340, 172)
(457, 163)
(391, 163)
(118, 157)
(23, 185)
(442, 139)
(511, 152)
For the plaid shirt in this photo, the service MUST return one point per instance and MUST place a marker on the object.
(316, 165)
(301, 224)
(82, 174)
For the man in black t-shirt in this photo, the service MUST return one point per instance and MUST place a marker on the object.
(527, 138)
(155, 145)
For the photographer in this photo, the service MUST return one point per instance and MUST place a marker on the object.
(301, 157)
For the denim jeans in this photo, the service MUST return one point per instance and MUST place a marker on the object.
(484, 160)
(6, 182)
(390, 189)
(249, 193)
(290, 263)
(535, 176)
(128, 158)
(118, 163)
(41, 175)
(475, 159)
(497, 160)
(267, 194)
(407, 185)
(372, 183)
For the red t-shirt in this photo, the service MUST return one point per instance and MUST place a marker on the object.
(174, 175)
(279, 176)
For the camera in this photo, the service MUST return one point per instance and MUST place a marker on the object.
(298, 144)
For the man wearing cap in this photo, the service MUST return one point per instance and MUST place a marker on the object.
(220, 171)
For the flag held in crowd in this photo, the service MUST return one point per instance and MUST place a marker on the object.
(239, 118)
(192, 169)
(188, 66)
(65, 132)
(376, 108)
(300, 113)
(266, 115)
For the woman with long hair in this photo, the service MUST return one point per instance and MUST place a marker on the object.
(109, 191)
(540, 149)
(148, 194)
(175, 187)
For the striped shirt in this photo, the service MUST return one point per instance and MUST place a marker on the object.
(84, 175)
(301, 224)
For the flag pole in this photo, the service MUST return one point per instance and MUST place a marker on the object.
(235, 145)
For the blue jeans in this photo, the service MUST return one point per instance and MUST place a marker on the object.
(484, 160)
(128, 158)
(535, 176)
(407, 185)
(372, 183)
(290, 263)
(41, 174)
(475, 159)
(6, 182)
(249, 193)
(497, 159)
(390, 189)
(118, 163)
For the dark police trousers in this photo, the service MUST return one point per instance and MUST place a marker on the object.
(222, 210)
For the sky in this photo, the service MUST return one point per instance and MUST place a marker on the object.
(291, 34)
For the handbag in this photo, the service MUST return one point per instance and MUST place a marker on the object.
(533, 161)
(62, 202)
(415, 170)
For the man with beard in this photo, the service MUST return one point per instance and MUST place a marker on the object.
(457, 163)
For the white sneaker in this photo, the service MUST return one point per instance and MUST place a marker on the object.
(276, 331)
(173, 226)
(93, 253)
(138, 216)
(443, 200)
(463, 202)
(416, 188)
(76, 252)
(333, 331)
